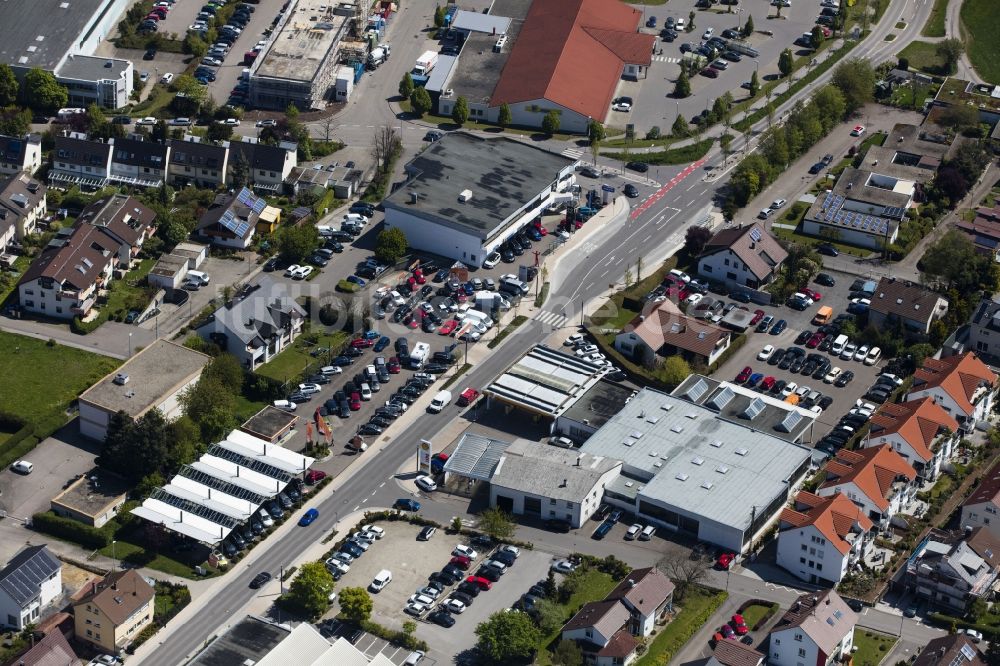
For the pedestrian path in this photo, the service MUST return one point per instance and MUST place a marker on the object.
(552, 318)
(659, 58)
(573, 153)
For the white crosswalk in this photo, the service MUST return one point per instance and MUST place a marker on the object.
(552, 318)
(665, 59)
(573, 153)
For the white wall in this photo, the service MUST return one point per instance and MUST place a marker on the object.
(785, 650)
(713, 267)
(849, 236)
(821, 553)
(984, 514)
(93, 422)
(426, 235)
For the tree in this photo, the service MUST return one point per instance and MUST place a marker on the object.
(673, 371)
(695, 239)
(817, 36)
(567, 653)
(507, 637)
(406, 86)
(856, 80)
(952, 260)
(683, 571)
(690, 23)
(135, 449)
(296, 243)
(439, 15)
(497, 524)
(993, 653)
(460, 112)
(550, 123)
(41, 91)
(226, 369)
(420, 101)
(786, 62)
(8, 85)
(390, 245)
(195, 45)
(951, 51)
(595, 131)
(550, 585)
(385, 146)
(311, 588)
(14, 121)
(754, 84)
(549, 615)
(680, 128)
(682, 88)
(212, 406)
(504, 117)
(220, 132)
(355, 604)
(748, 27)
(959, 117)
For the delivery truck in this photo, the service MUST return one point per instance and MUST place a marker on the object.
(425, 63)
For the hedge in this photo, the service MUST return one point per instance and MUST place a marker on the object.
(401, 638)
(517, 321)
(458, 374)
(682, 155)
(74, 531)
(542, 295)
(28, 436)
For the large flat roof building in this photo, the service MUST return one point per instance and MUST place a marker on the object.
(689, 469)
(545, 382)
(465, 195)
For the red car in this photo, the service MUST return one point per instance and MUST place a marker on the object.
(418, 275)
(740, 625)
(727, 631)
(744, 375)
(461, 561)
(448, 327)
(362, 343)
(393, 366)
(355, 403)
(461, 297)
(815, 340)
(757, 316)
(411, 284)
(767, 383)
(314, 476)
(412, 320)
(468, 397)
(479, 581)
(725, 561)
(815, 295)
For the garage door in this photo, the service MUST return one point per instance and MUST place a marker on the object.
(505, 504)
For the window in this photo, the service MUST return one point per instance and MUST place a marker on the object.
(777, 641)
(819, 567)
(706, 268)
(731, 276)
(798, 637)
(802, 560)
(569, 505)
(727, 262)
(803, 546)
(552, 501)
(802, 652)
(590, 633)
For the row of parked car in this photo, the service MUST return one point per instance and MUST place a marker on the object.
(243, 535)
(352, 548)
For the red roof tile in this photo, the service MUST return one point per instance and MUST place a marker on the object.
(918, 422)
(988, 489)
(835, 517)
(958, 376)
(872, 470)
(572, 53)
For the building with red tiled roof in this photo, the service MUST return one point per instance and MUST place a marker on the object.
(569, 57)
(982, 508)
(962, 385)
(919, 430)
(876, 479)
(663, 330)
(820, 538)
(743, 256)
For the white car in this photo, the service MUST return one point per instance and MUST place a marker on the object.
(198, 27)
(895, 379)
(624, 107)
(573, 340)
(973, 635)
(765, 353)
(465, 551)
(333, 564)
(331, 370)
(361, 543)
(633, 532)
(309, 389)
(302, 273)
(397, 298)
(429, 591)
(802, 297)
(513, 550)
(374, 530)
(290, 271)
(848, 352)
(831, 376)
(693, 299)
(803, 391)
(492, 260)
(361, 535)
(789, 389)
(563, 567)
(144, 76)
(415, 610)
(211, 62)
(346, 558)
(167, 78)
(420, 598)
(454, 606)
(679, 24)
(22, 467)
(265, 518)
(708, 33)
(426, 483)
(148, 120)
(286, 405)
(862, 353)
(232, 122)
(269, 122)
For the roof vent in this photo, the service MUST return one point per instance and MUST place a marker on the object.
(722, 469)
(698, 460)
(465, 195)
(741, 451)
(899, 301)
(121, 379)
(707, 485)
(666, 408)
(677, 429)
(717, 444)
(681, 476)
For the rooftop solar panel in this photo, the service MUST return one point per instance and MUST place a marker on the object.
(194, 508)
(249, 463)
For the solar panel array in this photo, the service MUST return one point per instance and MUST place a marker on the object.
(194, 508)
(215, 483)
(755, 235)
(248, 199)
(894, 212)
(832, 212)
(250, 463)
(230, 221)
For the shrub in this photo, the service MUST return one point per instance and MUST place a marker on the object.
(71, 530)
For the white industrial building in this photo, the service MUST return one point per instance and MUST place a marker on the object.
(465, 195)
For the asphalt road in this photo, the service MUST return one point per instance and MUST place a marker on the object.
(597, 262)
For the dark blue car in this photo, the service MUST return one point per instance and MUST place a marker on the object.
(308, 517)
(407, 505)
(382, 343)
(778, 327)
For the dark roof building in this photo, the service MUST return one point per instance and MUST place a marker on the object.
(910, 304)
(195, 161)
(747, 256)
(950, 650)
(20, 153)
(136, 161)
(77, 160)
(28, 584)
(231, 219)
(122, 218)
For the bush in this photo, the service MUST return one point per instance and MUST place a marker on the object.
(71, 530)
(542, 295)
(517, 321)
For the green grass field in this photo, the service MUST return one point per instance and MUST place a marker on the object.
(872, 647)
(29, 367)
(935, 22)
(981, 25)
(290, 363)
(697, 606)
(923, 56)
(594, 585)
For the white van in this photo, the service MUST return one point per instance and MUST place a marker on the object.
(647, 533)
(203, 278)
(382, 578)
(439, 402)
(366, 392)
(874, 354)
(355, 218)
(325, 230)
(561, 442)
(480, 316)
(838, 345)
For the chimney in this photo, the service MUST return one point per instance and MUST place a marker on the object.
(631, 583)
(564, 483)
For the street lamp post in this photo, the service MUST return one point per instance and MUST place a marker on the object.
(130, 345)
(114, 555)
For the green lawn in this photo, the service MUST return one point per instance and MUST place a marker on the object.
(129, 293)
(981, 23)
(814, 240)
(594, 586)
(695, 610)
(126, 551)
(872, 647)
(755, 613)
(29, 367)
(935, 22)
(290, 363)
(923, 56)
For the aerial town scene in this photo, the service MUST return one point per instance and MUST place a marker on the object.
(500, 332)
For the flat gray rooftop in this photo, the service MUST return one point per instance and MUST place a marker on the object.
(550, 471)
(691, 459)
(269, 422)
(600, 403)
(502, 175)
(545, 381)
(855, 184)
(92, 68)
(39, 34)
(155, 372)
(479, 67)
(244, 643)
(301, 47)
(92, 492)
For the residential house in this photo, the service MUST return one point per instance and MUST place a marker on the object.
(76, 160)
(28, 584)
(817, 629)
(193, 160)
(821, 538)
(953, 569)
(647, 594)
(231, 220)
(19, 154)
(731, 652)
(52, 650)
(899, 302)
(982, 508)
(139, 162)
(267, 166)
(63, 282)
(918, 430)
(601, 630)
(259, 326)
(983, 331)
(665, 331)
(742, 256)
(114, 610)
(22, 205)
(950, 650)
(962, 385)
(125, 220)
(984, 230)
(876, 479)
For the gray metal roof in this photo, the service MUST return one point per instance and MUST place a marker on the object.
(475, 457)
(550, 471)
(545, 381)
(23, 576)
(479, 22)
(42, 33)
(690, 458)
(93, 68)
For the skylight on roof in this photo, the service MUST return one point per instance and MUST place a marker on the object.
(677, 429)
(635, 434)
(741, 451)
(652, 419)
(707, 485)
(722, 469)
(666, 407)
(698, 460)
(717, 443)
(681, 476)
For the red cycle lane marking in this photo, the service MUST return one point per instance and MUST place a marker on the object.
(660, 193)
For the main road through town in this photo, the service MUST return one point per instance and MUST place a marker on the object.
(596, 262)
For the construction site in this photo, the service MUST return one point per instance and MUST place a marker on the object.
(317, 53)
